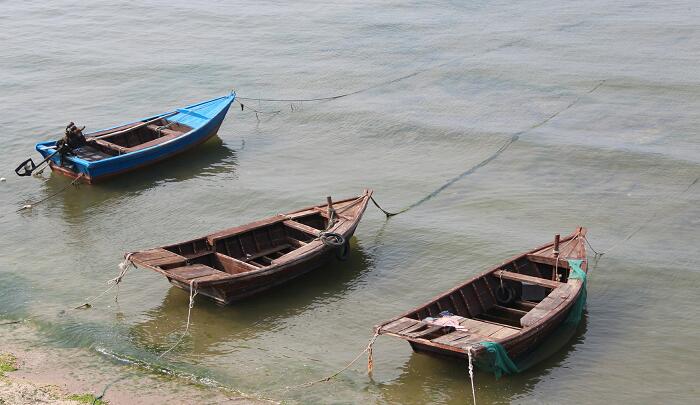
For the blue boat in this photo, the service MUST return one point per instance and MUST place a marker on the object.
(132, 146)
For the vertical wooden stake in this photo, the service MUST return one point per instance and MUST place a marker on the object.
(555, 252)
(330, 207)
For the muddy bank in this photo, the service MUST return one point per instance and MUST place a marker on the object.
(33, 373)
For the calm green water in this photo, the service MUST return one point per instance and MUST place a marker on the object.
(620, 158)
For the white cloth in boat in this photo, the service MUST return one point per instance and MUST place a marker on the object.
(452, 321)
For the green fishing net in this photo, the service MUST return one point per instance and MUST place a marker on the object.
(578, 274)
(496, 360)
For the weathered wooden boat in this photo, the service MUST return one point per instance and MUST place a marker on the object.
(239, 262)
(504, 312)
(131, 146)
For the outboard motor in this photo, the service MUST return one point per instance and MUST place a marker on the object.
(73, 139)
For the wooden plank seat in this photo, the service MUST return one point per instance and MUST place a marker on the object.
(563, 263)
(324, 213)
(547, 305)
(197, 273)
(167, 135)
(301, 227)
(523, 278)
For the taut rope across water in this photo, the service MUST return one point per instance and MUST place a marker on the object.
(513, 138)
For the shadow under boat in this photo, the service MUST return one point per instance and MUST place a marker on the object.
(428, 378)
(211, 158)
(212, 324)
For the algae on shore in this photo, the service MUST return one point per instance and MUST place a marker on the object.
(8, 363)
(87, 398)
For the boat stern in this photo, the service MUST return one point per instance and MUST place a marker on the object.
(69, 166)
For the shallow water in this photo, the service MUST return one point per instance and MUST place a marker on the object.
(619, 161)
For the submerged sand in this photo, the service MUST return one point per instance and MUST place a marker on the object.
(47, 375)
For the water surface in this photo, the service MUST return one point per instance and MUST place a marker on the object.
(621, 158)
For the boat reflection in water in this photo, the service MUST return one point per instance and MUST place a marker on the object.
(211, 159)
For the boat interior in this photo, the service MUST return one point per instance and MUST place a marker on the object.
(236, 252)
(220, 256)
(129, 138)
(497, 305)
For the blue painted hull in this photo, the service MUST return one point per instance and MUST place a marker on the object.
(204, 118)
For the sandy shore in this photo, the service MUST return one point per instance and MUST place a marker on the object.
(54, 375)
(17, 392)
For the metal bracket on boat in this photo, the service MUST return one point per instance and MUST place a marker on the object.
(26, 168)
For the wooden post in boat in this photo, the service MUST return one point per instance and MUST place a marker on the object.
(555, 252)
(331, 211)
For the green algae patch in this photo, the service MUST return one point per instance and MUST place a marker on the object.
(86, 399)
(8, 363)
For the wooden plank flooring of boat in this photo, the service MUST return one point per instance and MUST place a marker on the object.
(399, 325)
(158, 257)
(477, 331)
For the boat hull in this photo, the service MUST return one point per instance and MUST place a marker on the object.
(97, 171)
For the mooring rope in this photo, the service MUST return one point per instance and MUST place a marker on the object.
(11, 322)
(651, 218)
(108, 385)
(124, 267)
(471, 373)
(193, 293)
(244, 106)
(374, 86)
(352, 93)
(370, 362)
(72, 183)
(513, 138)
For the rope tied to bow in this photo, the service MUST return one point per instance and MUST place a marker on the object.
(124, 267)
(193, 294)
(72, 183)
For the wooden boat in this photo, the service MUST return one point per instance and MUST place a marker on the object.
(515, 304)
(239, 262)
(131, 146)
